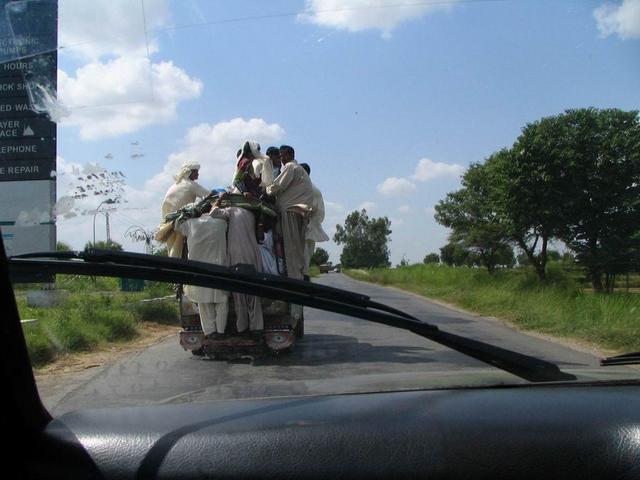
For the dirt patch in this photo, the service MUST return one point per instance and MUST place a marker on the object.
(149, 333)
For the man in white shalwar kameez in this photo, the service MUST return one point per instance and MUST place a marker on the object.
(294, 197)
(184, 191)
(243, 249)
(315, 232)
(207, 242)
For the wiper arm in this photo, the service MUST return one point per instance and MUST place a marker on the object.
(631, 358)
(236, 279)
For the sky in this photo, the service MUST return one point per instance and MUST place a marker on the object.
(388, 101)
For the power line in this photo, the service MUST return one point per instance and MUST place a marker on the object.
(415, 4)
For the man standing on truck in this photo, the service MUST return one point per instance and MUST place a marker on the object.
(185, 190)
(315, 232)
(294, 197)
(207, 242)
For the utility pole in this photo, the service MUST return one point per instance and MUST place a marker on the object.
(106, 214)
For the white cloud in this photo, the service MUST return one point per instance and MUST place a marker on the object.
(123, 95)
(404, 209)
(359, 15)
(333, 207)
(368, 206)
(91, 29)
(621, 19)
(428, 170)
(215, 147)
(396, 186)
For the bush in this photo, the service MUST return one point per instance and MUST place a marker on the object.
(165, 312)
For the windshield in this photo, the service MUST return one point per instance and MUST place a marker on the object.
(472, 164)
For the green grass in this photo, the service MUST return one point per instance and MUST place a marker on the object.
(97, 313)
(560, 307)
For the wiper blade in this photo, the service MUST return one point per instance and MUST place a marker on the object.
(631, 358)
(238, 279)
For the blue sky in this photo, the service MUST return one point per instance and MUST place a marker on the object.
(388, 104)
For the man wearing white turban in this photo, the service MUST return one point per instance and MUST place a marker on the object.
(185, 190)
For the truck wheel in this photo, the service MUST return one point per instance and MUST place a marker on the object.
(199, 352)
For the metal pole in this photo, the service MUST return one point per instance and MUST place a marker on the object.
(106, 214)
(94, 222)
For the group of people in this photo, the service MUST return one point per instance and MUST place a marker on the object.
(234, 235)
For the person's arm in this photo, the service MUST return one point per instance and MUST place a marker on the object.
(283, 180)
(199, 190)
(216, 211)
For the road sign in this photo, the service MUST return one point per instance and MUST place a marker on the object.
(28, 64)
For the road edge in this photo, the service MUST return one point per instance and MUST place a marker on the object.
(577, 344)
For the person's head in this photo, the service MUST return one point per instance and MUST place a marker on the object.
(187, 171)
(306, 167)
(274, 154)
(251, 150)
(287, 154)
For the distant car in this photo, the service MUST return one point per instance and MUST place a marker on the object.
(324, 268)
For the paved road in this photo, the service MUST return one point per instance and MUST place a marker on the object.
(337, 354)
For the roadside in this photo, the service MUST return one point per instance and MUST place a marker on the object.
(560, 311)
(149, 333)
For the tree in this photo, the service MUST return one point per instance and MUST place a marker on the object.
(403, 262)
(453, 254)
(581, 170)
(320, 256)
(431, 258)
(103, 245)
(63, 247)
(469, 212)
(365, 241)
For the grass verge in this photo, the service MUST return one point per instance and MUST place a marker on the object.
(96, 313)
(560, 307)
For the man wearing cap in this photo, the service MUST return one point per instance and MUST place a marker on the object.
(185, 190)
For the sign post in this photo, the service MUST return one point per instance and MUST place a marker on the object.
(28, 63)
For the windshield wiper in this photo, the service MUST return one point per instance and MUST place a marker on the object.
(631, 358)
(243, 280)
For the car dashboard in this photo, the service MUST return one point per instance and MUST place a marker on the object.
(542, 431)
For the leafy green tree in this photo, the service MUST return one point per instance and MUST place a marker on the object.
(582, 170)
(454, 254)
(431, 258)
(365, 241)
(63, 247)
(104, 245)
(320, 256)
(472, 217)
(161, 252)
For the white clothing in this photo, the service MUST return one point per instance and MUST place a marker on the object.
(185, 171)
(182, 193)
(207, 242)
(292, 187)
(316, 217)
(263, 169)
(269, 261)
(213, 317)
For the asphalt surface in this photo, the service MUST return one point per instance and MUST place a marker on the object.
(338, 354)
